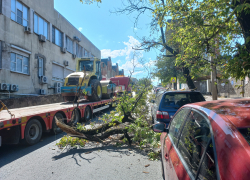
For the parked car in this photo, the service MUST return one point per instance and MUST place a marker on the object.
(207, 140)
(168, 102)
(159, 89)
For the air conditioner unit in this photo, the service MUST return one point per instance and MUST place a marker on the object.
(42, 91)
(14, 87)
(74, 56)
(66, 63)
(42, 38)
(27, 29)
(57, 87)
(44, 79)
(63, 50)
(77, 38)
(4, 87)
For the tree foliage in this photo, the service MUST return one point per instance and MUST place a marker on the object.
(129, 123)
(206, 28)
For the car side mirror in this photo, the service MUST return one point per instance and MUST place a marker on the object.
(160, 127)
(152, 101)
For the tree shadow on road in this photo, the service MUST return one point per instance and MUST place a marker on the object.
(91, 148)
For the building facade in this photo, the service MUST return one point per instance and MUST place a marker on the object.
(108, 70)
(115, 70)
(38, 46)
(106, 67)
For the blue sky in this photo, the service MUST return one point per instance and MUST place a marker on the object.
(113, 34)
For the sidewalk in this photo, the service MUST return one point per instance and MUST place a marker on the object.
(209, 97)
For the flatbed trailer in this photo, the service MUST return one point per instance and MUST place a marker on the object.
(28, 123)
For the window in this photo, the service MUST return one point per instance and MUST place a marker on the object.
(207, 167)
(78, 50)
(86, 65)
(40, 26)
(0, 6)
(91, 55)
(56, 36)
(40, 66)
(86, 53)
(193, 140)
(19, 13)
(19, 63)
(69, 44)
(177, 123)
(98, 67)
(245, 132)
(179, 99)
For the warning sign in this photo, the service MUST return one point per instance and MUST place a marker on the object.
(173, 79)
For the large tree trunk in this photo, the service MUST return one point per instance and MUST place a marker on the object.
(189, 81)
(243, 18)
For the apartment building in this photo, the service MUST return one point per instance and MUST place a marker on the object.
(108, 70)
(38, 47)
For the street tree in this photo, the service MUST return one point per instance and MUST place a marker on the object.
(140, 7)
(210, 29)
(206, 30)
(128, 123)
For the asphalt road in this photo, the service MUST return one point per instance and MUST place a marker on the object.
(45, 161)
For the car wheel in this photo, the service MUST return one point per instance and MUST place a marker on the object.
(33, 132)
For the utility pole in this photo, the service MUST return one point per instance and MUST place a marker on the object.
(213, 79)
(175, 75)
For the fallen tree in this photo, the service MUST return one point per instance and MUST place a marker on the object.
(129, 123)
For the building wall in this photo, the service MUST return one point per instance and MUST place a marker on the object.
(232, 88)
(226, 87)
(104, 71)
(0, 54)
(109, 69)
(15, 39)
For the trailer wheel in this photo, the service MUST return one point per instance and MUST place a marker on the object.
(87, 114)
(33, 132)
(96, 90)
(75, 117)
(55, 129)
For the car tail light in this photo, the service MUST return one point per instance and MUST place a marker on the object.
(162, 115)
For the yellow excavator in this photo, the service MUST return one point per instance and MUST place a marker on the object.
(87, 80)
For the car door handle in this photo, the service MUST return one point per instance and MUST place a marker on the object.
(166, 156)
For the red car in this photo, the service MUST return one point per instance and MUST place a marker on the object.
(207, 140)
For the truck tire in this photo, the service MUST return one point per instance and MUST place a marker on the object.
(55, 129)
(76, 116)
(96, 90)
(33, 132)
(87, 114)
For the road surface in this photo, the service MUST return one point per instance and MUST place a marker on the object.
(45, 161)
